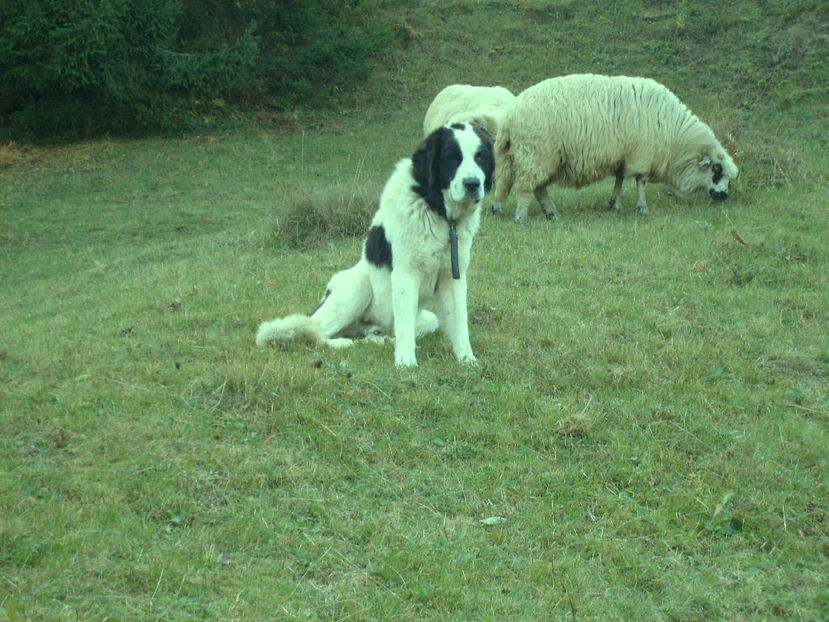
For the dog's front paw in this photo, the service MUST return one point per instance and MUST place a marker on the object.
(468, 359)
(405, 357)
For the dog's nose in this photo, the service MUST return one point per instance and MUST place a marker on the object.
(471, 184)
(718, 195)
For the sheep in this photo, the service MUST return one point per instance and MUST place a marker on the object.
(575, 130)
(461, 103)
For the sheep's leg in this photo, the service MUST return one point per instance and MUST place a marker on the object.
(641, 206)
(522, 206)
(543, 198)
(615, 201)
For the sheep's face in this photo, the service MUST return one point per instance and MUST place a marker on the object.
(714, 171)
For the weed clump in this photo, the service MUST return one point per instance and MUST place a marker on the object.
(326, 215)
(775, 165)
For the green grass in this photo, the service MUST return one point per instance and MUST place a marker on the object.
(644, 437)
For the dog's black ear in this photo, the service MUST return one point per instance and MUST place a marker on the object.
(486, 156)
(482, 132)
(425, 163)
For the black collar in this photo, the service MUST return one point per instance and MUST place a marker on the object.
(453, 249)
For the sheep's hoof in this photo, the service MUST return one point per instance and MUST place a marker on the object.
(643, 209)
(614, 205)
(551, 215)
(520, 220)
(496, 208)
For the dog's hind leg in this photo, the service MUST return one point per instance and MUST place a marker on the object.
(425, 323)
(347, 297)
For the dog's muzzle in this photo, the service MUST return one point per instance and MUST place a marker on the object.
(718, 195)
(472, 187)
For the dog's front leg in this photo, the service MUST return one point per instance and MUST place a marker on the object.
(404, 295)
(452, 313)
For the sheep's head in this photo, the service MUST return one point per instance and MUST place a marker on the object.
(714, 171)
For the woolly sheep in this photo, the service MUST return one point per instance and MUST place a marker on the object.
(461, 103)
(575, 130)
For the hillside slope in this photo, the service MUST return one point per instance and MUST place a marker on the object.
(740, 67)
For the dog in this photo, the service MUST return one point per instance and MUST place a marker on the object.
(417, 250)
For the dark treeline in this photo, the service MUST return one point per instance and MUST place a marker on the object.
(84, 67)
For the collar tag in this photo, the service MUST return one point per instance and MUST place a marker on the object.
(453, 250)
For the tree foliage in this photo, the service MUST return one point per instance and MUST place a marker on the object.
(79, 67)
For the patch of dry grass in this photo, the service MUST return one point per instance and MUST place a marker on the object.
(329, 214)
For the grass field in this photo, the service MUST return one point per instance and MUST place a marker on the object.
(645, 436)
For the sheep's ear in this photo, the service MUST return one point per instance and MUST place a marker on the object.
(705, 163)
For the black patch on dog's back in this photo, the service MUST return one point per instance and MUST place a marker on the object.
(378, 249)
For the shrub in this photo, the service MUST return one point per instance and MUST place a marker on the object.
(88, 66)
(334, 213)
(312, 50)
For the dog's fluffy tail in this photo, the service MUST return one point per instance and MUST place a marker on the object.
(291, 327)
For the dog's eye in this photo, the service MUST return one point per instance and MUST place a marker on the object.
(451, 153)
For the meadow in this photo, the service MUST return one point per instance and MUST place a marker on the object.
(645, 434)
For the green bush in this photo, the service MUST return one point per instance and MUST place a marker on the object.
(88, 66)
(311, 50)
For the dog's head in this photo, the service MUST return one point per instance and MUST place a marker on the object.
(453, 169)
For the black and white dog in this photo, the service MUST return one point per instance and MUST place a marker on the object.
(417, 249)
